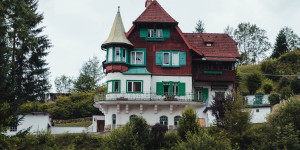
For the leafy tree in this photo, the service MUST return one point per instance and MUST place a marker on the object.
(141, 129)
(253, 82)
(188, 122)
(158, 131)
(295, 86)
(229, 30)
(267, 88)
(90, 75)
(252, 42)
(199, 27)
(63, 84)
(274, 98)
(286, 93)
(170, 139)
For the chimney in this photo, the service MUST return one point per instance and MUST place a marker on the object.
(148, 2)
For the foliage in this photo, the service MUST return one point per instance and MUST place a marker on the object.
(200, 27)
(253, 82)
(267, 88)
(295, 86)
(157, 133)
(244, 71)
(90, 74)
(274, 98)
(75, 124)
(283, 82)
(203, 140)
(286, 40)
(285, 113)
(140, 128)
(252, 42)
(269, 67)
(286, 93)
(188, 122)
(287, 138)
(170, 139)
(63, 84)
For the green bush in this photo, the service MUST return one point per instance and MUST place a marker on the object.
(286, 93)
(284, 82)
(188, 122)
(274, 98)
(253, 82)
(269, 67)
(267, 88)
(295, 86)
(141, 129)
(170, 139)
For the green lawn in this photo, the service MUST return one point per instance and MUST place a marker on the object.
(76, 124)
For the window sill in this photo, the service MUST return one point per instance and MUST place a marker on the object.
(155, 39)
(134, 92)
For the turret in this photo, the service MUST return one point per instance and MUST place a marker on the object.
(117, 47)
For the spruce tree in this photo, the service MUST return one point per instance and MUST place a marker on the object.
(281, 45)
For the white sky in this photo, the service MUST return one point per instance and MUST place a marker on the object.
(77, 28)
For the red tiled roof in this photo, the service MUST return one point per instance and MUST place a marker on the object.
(155, 13)
(223, 47)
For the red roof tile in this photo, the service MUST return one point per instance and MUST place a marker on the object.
(223, 46)
(155, 13)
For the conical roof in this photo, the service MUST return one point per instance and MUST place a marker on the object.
(117, 33)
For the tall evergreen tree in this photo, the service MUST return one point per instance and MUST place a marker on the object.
(286, 40)
(23, 49)
(199, 27)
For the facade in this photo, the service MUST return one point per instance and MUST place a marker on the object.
(36, 121)
(259, 106)
(155, 70)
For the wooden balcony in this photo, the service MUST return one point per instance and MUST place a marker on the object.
(213, 75)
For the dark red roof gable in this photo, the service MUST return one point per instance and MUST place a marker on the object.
(155, 13)
(223, 46)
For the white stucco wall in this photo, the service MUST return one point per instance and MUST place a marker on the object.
(260, 117)
(62, 130)
(119, 76)
(211, 92)
(37, 121)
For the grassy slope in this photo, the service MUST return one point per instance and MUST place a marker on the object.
(76, 124)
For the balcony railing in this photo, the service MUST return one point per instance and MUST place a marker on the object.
(256, 100)
(188, 97)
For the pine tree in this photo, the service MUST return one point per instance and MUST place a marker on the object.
(199, 27)
(280, 45)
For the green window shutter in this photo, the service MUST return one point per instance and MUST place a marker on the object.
(159, 88)
(143, 33)
(158, 58)
(204, 94)
(181, 89)
(166, 33)
(182, 58)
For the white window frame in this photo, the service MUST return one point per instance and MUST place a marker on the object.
(119, 50)
(132, 84)
(159, 33)
(13, 129)
(109, 55)
(135, 62)
(150, 33)
(175, 84)
(164, 58)
(174, 61)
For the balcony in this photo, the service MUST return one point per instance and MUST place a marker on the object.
(213, 75)
(256, 100)
(188, 97)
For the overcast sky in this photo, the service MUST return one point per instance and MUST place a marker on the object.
(77, 28)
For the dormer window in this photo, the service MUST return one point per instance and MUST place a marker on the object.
(209, 44)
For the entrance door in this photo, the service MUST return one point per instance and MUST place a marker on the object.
(100, 125)
(197, 94)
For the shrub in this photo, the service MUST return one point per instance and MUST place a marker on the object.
(141, 129)
(188, 122)
(158, 132)
(253, 82)
(269, 67)
(274, 98)
(284, 82)
(170, 139)
(295, 86)
(286, 93)
(267, 88)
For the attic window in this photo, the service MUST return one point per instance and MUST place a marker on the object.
(208, 44)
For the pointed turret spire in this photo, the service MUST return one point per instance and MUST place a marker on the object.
(117, 33)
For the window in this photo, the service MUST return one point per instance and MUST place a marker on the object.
(163, 120)
(114, 120)
(113, 86)
(109, 55)
(175, 59)
(208, 44)
(159, 33)
(257, 110)
(13, 129)
(150, 33)
(176, 121)
(117, 54)
(170, 58)
(134, 86)
(166, 58)
(175, 88)
(124, 55)
(167, 89)
(137, 58)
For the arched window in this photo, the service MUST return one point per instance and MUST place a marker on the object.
(163, 120)
(113, 125)
(132, 116)
(176, 121)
